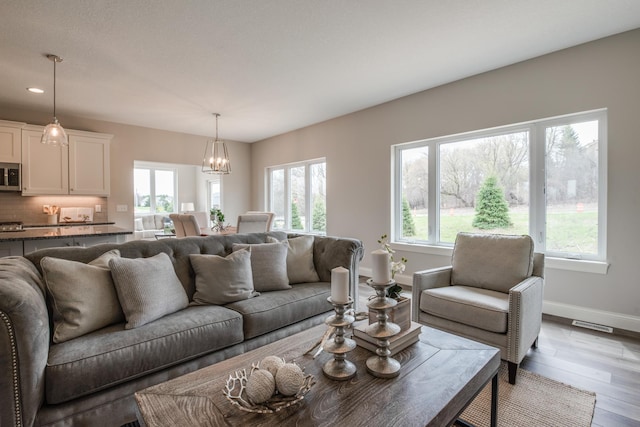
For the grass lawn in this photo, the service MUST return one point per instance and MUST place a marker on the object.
(566, 231)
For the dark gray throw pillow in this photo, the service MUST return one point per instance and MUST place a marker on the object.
(221, 280)
(268, 265)
(148, 288)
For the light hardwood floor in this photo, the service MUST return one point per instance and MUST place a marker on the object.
(607, 364)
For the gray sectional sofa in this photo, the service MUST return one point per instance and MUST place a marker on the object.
(55, 375)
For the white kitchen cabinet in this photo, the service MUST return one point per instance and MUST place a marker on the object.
(89, 164)
(10, 141)
(10, 249)
(45, 168)
(82, 168)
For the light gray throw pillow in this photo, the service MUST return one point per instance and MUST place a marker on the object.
(300, 267)
(148, 288)
(221, 280)
(83, 296)
(268, 265)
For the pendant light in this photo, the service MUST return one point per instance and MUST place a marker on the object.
(53, 133)
(216, 157)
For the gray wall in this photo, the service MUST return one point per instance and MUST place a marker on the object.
(138, 143)
(605, 73)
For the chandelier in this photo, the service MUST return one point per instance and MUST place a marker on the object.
(216, 156)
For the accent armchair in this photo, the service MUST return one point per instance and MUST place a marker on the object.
(491, 293)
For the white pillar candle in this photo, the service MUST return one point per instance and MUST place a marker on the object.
(340, 285)
(381, 266)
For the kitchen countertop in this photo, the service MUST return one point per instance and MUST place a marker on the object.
(66, 224)
(62, 232)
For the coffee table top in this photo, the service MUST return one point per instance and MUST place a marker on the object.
(440, 376)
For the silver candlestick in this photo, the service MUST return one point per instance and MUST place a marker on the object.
(339, 368)
(382, 365)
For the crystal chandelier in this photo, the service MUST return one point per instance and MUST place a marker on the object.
(53, 133)
(216, 157)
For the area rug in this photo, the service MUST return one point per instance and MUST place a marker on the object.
(533, 401)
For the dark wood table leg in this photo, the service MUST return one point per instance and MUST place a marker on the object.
(494, 401)
(494, 406)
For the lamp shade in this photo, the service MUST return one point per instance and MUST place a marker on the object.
(187, 207)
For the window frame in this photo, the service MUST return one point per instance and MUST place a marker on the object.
(286, 168)
(537, 184)
(152, 168)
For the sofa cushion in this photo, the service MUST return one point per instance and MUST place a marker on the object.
(268, 265)
(83, 297)
(274, 310)
(148, 288)
(221, 280)
(300, 266)
(477, 307)
(114, 355)
(491, 261)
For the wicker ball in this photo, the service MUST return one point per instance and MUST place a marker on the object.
(289, 379)
(272, 364)
(260, 386)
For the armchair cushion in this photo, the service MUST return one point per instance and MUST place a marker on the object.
(481, 308)
(495, 262)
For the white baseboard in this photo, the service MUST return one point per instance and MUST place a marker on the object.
(606, 318)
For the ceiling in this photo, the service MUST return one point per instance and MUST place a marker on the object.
(271, 66)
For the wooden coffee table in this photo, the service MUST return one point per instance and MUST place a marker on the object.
(440, 376)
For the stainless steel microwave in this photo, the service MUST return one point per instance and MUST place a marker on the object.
(10, 176)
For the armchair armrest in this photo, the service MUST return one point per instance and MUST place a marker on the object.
(24, 341)
(427, 279)
(525, 308)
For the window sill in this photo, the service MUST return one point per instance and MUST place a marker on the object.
(583, 266)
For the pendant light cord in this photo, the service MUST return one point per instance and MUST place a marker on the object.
(54, 87)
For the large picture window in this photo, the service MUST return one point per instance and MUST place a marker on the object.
(297, 194)
(545, 178)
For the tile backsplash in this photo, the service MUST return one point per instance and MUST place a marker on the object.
(28, 209)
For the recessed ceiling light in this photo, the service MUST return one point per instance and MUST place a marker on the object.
(35, 90)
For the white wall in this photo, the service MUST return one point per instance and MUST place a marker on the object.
(605, 73)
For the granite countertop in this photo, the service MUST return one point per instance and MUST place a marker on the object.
(62, 232)
(66, 224)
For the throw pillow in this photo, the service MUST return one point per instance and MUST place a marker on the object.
(138, 225)
(83, 297)
(300, 266)
(221, 280)
(148, 288)
(268, 265)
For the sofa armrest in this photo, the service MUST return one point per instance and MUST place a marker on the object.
(525, 319)
(427, 279)
(24, 341)
(330, 252)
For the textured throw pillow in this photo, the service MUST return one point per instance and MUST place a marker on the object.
(148, 288)
(300, 268)
(268, 265)
(222, 280)
(138, 224)
(82, 295)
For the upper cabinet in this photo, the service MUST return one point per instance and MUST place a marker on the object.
(82, 168)
(89, 164)
(10, 137)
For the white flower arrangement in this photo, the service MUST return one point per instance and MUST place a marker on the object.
(396, 266)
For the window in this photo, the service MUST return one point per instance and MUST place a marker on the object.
(545, 178)
(296, 193)
(214, 192)
(154, 189)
